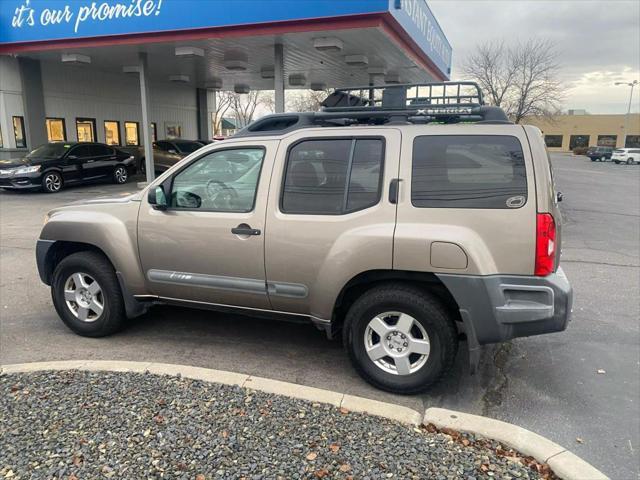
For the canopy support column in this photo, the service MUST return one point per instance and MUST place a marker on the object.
(279, 77)
(146, 125)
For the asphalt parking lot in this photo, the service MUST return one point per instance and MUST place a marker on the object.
(549, 384)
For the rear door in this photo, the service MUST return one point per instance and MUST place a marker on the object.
(73, 164)
(467, 201)
(329, 217)
(102, 162)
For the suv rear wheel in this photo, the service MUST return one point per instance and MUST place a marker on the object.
(400, 338)
(87, 296)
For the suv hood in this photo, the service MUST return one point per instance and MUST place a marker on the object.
(123, 198)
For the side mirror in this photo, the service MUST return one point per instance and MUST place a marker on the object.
(157, 199)
(559, 197)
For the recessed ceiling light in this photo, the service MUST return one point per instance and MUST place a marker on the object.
(297, 80)
(179, 78)
(392, 78)
(328, 44)
(318, 86)
(214, 83)
(267, 72)
(75, 59)
(235, 60)
(377, 71)
(241, 88)
(187, 52)
(356, 60)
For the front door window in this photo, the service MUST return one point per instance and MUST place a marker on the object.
(223, 181)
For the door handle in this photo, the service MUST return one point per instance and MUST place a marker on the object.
(244, 229)
(394, 190)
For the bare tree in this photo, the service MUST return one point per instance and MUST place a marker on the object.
(306, 100)
(521, 79)
(244, 106)
(224, 101)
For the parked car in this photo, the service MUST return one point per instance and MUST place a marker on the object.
(166, 153)
(53, 165)
(629, 156)
(601, 154)
(391, 233)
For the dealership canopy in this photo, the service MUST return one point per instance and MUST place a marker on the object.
(239, 45)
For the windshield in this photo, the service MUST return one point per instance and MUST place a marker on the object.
(49, 150)
(188, 147)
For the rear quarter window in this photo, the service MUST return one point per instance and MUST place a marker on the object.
(468, 171)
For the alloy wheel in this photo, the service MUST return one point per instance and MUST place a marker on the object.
(121, 175)
(396, 343)
(83, 297)
(53, 182)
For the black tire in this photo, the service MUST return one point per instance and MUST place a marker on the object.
(52, 182)
(617, 162)
(142, 166)
(120, 175)
(630, 161)
(427, 310)
(593, 159)
(112, 317)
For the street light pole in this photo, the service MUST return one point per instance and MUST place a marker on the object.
(626, 119)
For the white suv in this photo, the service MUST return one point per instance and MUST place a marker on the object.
(626, 155)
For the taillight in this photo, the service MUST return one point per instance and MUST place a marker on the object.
(545, 244)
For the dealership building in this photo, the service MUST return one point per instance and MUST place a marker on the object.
(578, 129)
(128, 72)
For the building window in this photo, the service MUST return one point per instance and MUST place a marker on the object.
(18, 132)
(154, 132)
(56, 130)
(131, 133)
(553, 141)
(333, 176)
(632, 141)
(607, 140)
(112, 132)
(578, 141)
(86, 129)
(468, 171)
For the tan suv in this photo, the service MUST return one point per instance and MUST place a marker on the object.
(402, 218)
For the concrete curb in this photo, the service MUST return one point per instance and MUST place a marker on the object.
(564, 463)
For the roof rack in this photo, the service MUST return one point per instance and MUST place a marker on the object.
(445, 102)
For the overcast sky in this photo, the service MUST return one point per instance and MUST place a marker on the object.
(599, 41)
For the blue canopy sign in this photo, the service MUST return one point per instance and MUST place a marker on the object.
(26, 21)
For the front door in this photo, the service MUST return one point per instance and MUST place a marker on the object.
(208, 245)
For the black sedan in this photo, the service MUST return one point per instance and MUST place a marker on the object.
(53, 165)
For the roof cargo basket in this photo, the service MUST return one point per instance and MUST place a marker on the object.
(444, 102)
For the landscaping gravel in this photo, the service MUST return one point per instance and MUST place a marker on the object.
(77, 425)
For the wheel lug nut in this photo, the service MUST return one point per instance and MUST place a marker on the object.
(388, 337)
(399, 350)
(405, 344)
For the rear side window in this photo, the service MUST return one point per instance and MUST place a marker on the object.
(468, 171)
(333, 176)
(100, 150)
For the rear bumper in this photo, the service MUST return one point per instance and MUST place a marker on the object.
(497, 308)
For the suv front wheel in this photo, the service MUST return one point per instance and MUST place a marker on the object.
(87, 296)
(400, 338)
